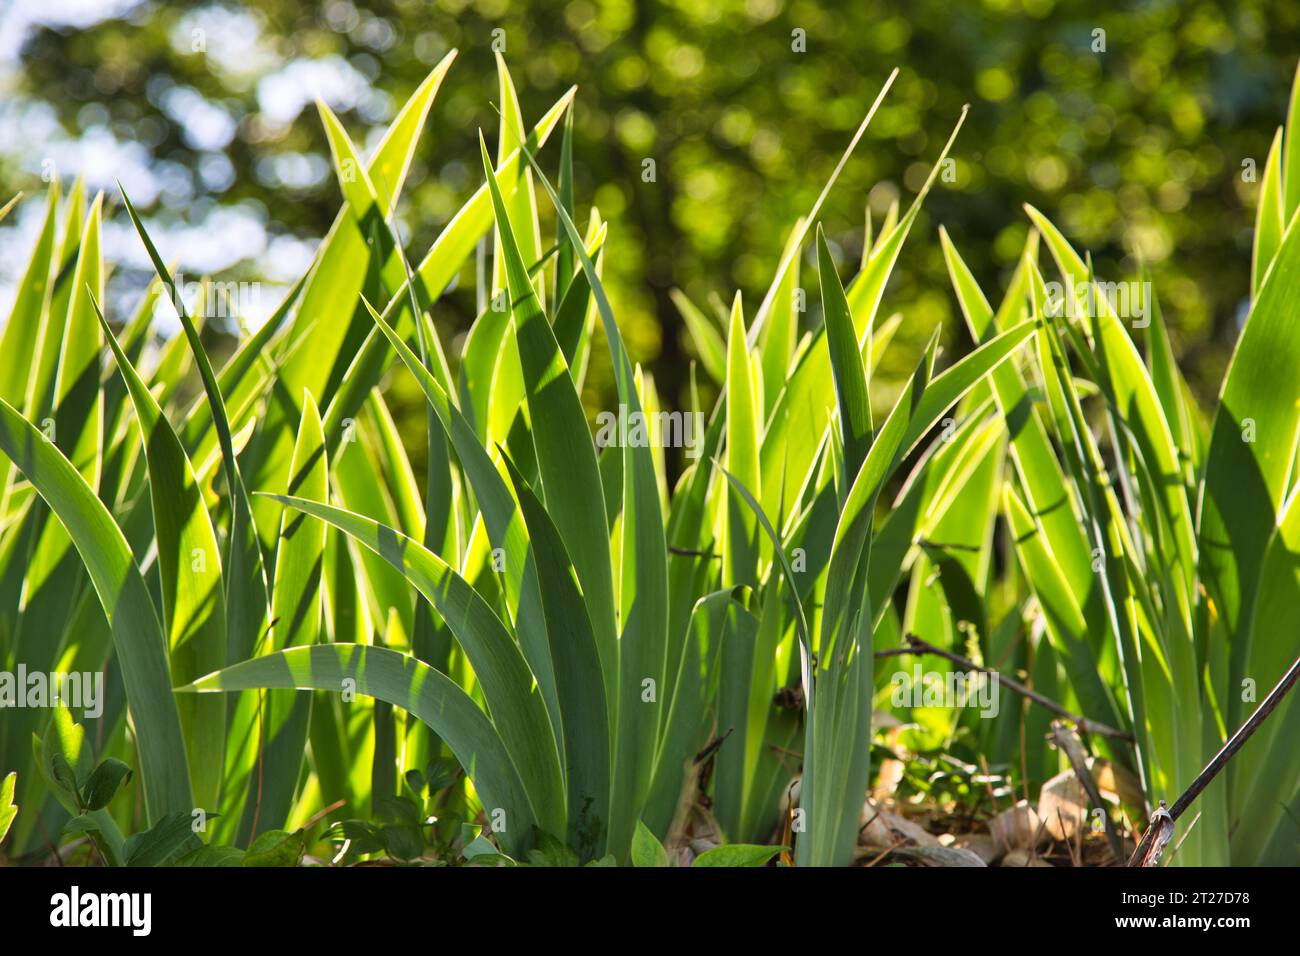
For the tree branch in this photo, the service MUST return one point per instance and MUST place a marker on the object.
(916, 646)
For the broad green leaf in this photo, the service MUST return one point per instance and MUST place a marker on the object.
(1249, 460)
(737, 854)
(642, 586)
(22, 331)
(137, 634)
(247, 591)
(1291, 156)
(404, 682)
(79, 413)
(1263, 773)
(776, 344)
(566, 458)
(63, 757)
(580, 690)
(276, 848)
(560, 440)
(189, 565)
(392, 159)
(40, 387)
(1269, 222)
(104, 782)
(7, 808)
(508, 686)
(296, 609)
(212, 856)
(161, 843)
(647, 851)
(500, 515)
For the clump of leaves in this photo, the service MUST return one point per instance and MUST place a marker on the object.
(546, 611)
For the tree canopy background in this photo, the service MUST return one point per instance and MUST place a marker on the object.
(1148, 151)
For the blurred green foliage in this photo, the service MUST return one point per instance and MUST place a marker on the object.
(1136, 151)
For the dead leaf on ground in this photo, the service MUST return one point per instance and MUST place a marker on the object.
(1018, 828)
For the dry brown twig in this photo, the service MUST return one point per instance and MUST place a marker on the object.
(1161, 827)
(916, 645)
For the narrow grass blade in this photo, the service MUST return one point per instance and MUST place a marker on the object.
(846, 363)
(1269, 222)
(709, 344)
(740, 543)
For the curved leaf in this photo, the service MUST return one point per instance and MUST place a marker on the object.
(137, 635)
(508, 687)
(189, 565)
(405, 682)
